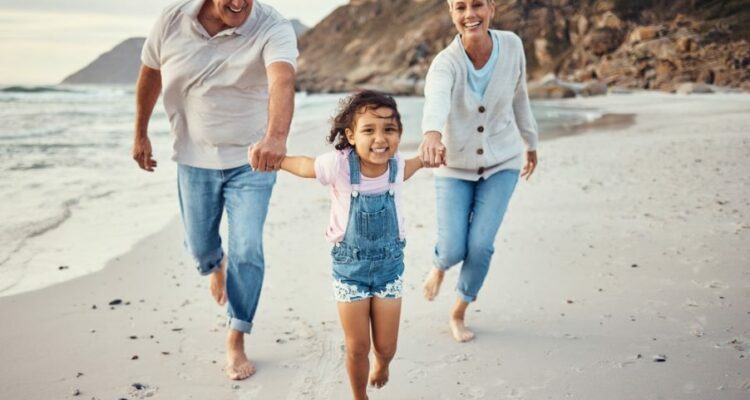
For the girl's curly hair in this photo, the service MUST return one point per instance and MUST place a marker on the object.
(358, 103)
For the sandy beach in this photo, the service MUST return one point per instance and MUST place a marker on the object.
(622, 271)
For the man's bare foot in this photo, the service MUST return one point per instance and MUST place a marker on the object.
(460, 332)
(431, 285)
(218, 283)
(378, 375)
(238, 366)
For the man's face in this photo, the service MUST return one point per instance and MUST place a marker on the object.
(232, 13)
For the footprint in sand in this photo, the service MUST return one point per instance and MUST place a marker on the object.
(474, 393)
(142, 391)
(249, 392)
(457, 358)
(714, 284)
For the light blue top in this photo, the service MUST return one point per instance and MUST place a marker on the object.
(479, 79)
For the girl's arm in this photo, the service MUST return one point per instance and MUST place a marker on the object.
(302, 166)
(411, 166)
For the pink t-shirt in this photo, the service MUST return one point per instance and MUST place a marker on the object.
(333, 169)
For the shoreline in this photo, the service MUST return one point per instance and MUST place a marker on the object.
(628, 244)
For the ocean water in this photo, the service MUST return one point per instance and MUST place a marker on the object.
(71, 196)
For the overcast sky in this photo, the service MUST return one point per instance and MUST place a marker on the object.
(42, 41)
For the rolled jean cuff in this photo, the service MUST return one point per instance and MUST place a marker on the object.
(239, 325)
(436, 264)
(465, 297)
(211, 266)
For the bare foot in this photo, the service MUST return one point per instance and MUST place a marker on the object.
(431, 285)
(238, 366)
(460, 332)
(378, 375)
(218, 284)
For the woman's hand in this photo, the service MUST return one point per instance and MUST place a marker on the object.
(530, 165)
(432, 150)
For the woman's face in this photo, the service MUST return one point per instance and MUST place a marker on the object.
(472, 17)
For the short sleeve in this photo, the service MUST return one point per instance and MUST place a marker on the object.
(281, 45)
(151, 53)
(326, 167)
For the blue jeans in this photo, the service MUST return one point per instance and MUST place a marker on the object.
(204, 194)
(469, 214)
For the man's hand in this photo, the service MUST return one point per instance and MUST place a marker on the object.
(142, 153)
(267, 154)
(530, 165)
(432, 150)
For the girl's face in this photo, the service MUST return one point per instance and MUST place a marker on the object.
(375, 138)
(472, 17)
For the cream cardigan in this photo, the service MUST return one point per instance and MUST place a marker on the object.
(481, 136)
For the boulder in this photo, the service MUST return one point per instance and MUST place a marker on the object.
(583, 25)
(594, 89)
(610, 20)
(603, 41)
(665, 70)
(550, 91)
(694, 88)
(542, 54)
(643, 33)
(685, 44)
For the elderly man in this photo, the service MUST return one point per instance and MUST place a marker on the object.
(226, 68)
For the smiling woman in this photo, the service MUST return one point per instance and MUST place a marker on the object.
(479, 82)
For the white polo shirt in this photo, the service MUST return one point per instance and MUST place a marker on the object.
(215, 89)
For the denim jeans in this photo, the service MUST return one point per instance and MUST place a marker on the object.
(469, 214)
(245, 194)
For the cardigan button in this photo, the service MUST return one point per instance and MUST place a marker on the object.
(482, 109)
(480, 171)
(480, 129)
(480, 151)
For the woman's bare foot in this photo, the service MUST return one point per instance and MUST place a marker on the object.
(460, 332)
(431, 285)
(238, 366)
(378, 375)
(218, 285)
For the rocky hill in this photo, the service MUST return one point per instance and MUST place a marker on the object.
(118, 66)
(650, 44)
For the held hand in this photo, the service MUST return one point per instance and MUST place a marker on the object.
(267, 154)
(142, 153)
(432, 150)
(530, 164)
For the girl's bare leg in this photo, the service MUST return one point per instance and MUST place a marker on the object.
(355, 320)
(386, 314)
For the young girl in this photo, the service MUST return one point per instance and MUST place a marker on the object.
(365, 174)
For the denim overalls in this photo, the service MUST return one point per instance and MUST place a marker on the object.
(369, 261)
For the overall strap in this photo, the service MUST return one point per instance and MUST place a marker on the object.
(393, 167)
(354, 173)
(393, 172)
